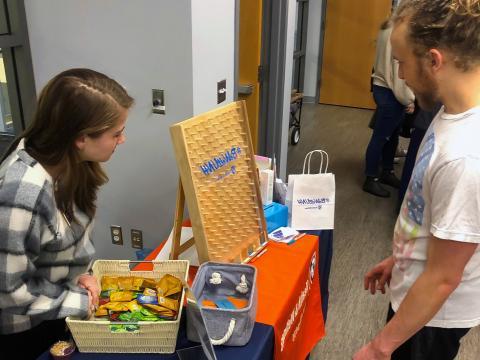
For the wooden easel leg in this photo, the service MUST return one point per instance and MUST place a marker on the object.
(177, 223)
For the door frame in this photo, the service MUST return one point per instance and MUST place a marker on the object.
(236, 50)
(320, 50)
(272, 76)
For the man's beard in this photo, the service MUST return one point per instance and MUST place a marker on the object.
(427, 96)
(426, 101)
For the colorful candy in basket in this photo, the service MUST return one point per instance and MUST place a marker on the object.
(132, 299)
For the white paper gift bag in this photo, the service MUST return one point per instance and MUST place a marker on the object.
(313, 196)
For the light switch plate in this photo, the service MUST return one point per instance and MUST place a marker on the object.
(137, 239)
(158, 102)
(221, 91)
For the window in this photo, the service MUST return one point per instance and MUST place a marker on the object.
(17, 93)
(300, 45)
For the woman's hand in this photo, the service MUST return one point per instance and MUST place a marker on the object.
(89, 282)
(410, 108)
(91, 306)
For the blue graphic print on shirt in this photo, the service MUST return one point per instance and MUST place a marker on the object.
(415, 201)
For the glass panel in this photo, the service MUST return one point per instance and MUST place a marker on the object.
(298, 30)
(295, 73)
(3, 18)
(6, 124)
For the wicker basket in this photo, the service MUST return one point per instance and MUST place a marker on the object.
(152, 337)
(216, 162)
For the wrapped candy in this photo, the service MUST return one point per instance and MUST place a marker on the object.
(148, 283)
(101, 311)
(144, 299)
(125, 283)
(134, 306)
(121, 296)
(149, 292)
(116, 306)
(161, 311)
(169, 285)
(109, 283)
(168, 303)
(137, 284)
(133, 298)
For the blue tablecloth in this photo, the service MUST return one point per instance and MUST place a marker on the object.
(325, 250)
(260, 347)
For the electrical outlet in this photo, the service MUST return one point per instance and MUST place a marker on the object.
(137, 239)
(221, 91)
(116, 233)
(158, 101)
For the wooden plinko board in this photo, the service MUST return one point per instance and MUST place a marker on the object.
(217, 169)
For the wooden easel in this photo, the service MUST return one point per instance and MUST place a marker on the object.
(178, 248)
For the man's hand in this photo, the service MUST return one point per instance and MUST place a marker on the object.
(89, 282)
(379, 275)
(369, 352)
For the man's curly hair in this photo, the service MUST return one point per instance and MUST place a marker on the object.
(450, 25)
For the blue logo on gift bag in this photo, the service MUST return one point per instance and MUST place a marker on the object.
(315, 203)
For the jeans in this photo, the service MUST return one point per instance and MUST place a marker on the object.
(384, 141)
(30, 344)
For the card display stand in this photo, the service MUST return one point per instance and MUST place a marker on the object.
(219, 181)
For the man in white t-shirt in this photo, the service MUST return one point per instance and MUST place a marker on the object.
(434, 272)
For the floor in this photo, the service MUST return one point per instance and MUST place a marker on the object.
(363, 230)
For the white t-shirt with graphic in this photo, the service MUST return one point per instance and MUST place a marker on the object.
(443, 199)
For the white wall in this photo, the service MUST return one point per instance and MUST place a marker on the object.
(312, 51)
(145, 45)
(213, 32)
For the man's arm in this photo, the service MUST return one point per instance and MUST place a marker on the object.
(446, 261)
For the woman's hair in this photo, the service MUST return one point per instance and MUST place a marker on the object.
(74, 103)
(451, 25)
(387, 24)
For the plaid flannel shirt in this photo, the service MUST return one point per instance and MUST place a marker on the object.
(41, 254)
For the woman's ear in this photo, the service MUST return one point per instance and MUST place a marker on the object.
(80, 142)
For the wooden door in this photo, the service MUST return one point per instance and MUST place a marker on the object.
(349, 50)
(250, 45)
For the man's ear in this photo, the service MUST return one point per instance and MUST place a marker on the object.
(80, 142)
(436, 59)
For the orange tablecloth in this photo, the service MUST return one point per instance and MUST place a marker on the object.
(288, 295)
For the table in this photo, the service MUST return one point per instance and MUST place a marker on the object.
(299, 333)
(260, 347)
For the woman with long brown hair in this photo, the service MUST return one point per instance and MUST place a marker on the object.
(49, 180)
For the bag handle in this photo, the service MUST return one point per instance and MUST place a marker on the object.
(308, 158)
(227, 336)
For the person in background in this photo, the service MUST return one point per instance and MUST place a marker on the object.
(434, 272)
(420, 125)
(49, 180)
(392, 97)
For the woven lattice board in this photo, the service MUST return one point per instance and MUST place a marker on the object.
(215, 159)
